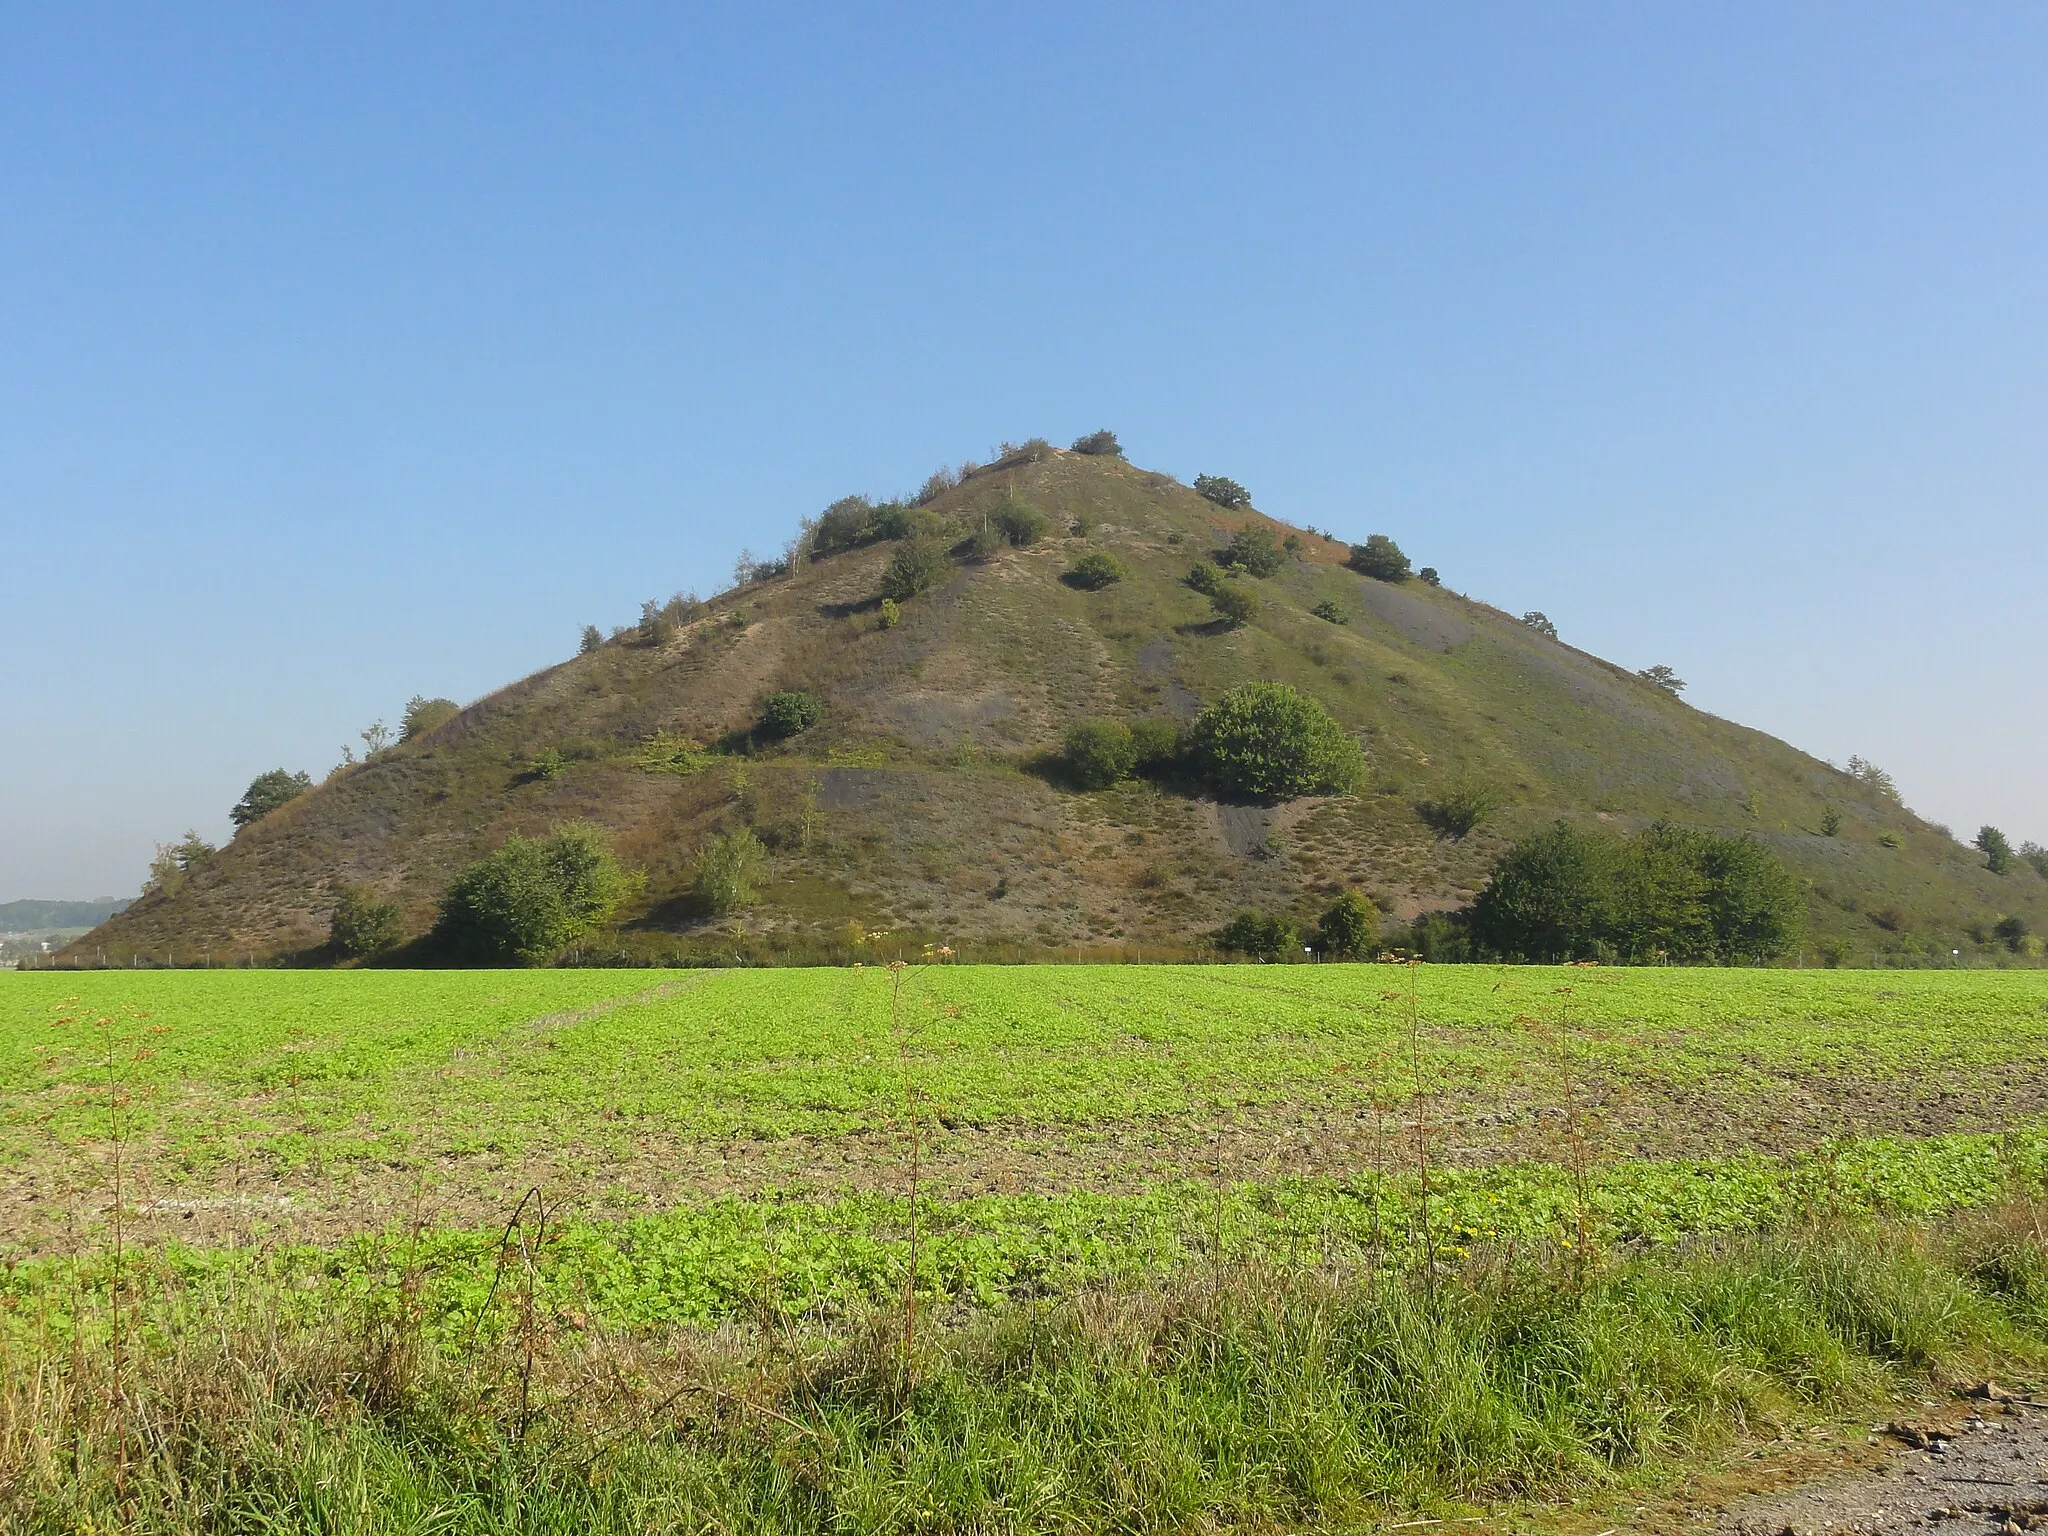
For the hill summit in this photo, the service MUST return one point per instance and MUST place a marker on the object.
(886, 712)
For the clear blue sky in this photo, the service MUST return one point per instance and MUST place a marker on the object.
(354, 352)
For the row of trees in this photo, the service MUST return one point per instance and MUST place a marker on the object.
(1666, 892)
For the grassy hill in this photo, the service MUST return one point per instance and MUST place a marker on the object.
(927, 801)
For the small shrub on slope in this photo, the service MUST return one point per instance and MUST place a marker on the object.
(1096, 571)
(919, 565)
(729, 871)
(1100, 444)
(1252, 550)
(1380, 558)
(788, 714)
(1100, 753)
(1233, 605)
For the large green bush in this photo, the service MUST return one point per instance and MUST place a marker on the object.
(1205, 578)
(1380, 558)
(1266, 741)
(919, 564)
(788, 714)
(531, 898)
(1350, 929)
(1102, 444)
(729, 871)
(1096, 571)
(266, 792)
(1100, 753)
(1155, 743)
(1233, 605)
(1226, 493)
(847, 522)
(1260, 935)
(361, 926)
(1017, 521)
(1252, 550)
(1996, 849)
(1667, 892)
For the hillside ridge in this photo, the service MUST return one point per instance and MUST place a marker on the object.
(928, 797)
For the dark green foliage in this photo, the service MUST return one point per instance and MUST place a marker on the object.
(1550, 897)
(1155, 744)
(1428, 576)
(788, 714)
(1661, 676)
(532, 898)
(2037, 856)
(729, 872)
(1437, 938)
(1096, 571)
(361, 926)
(1380, 558)
(1252, 550)
(1100, 444)
(1205, 579)
(1233, 605)
(1100, 753)
(657, 625)
(1350, 928)
(893, 520)
(2011, 932)
(1227, 494)
(1260, 935)
(1330, 612)
(547, 763)
(1997, 851)
(593, 640)
(1018, 521)
(1539, 621)
(1673, 893)
(1830, 821)
(920, 564)
(423, 715)
(846, 523)
(1266, 741)
(1459, 810)
(266, 792)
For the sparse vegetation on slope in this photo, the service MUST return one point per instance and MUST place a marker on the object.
(936, 703)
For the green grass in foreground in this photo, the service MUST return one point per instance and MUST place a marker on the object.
(1241, 1396)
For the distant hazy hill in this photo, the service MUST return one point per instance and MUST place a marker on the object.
(920, 800)
(51, 916)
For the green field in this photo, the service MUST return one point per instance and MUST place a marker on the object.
(1308, 1244)
(278, 1107)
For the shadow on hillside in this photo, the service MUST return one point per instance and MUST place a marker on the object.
(848, 610)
